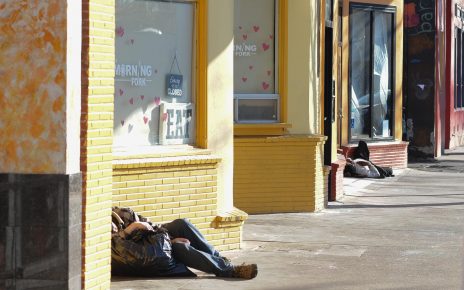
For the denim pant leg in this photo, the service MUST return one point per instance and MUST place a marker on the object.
(202, 261)
(182, 228)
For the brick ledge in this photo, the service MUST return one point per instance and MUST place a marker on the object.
(231, 218)
(165, 161)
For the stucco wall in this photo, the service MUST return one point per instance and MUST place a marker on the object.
(33, 96)
(303, 82)
(220, 94)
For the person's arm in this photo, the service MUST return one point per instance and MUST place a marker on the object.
(135, 226)
(180, 240)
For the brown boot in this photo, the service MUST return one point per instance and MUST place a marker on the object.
(245, 271)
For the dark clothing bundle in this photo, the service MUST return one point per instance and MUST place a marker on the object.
(362, 153)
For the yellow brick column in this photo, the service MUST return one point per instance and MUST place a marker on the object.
(98, 25)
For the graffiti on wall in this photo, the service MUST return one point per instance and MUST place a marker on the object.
(419, 16)
(419, 73)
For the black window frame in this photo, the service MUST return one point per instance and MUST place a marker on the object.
(458, 68)
(373, 8)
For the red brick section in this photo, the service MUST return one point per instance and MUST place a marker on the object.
(391, 154)
(336, 179)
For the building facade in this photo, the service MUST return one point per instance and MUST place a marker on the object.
(454, 121)
(372, 80)
(123, 104)
(425, 74)
(433, 65)
(278, 146)
(40, 195)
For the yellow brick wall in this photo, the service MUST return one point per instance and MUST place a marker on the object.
(278, 174)
(98, 58)
(164, 189)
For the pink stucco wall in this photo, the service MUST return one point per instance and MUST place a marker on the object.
(33, 86)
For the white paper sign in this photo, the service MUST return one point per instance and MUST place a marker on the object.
(176, 123)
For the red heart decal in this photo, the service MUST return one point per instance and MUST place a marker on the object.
(121, 92)
(131, 101)
(157, 101)
(266, 46)
(145, 119)
(165, 117)
(122, 122)
(245, 37)
(142, 97)
(256, 28)
(244, 79)
(269, 72)
(265, 85)
(250, 67)
(120, 31)
(271, 36)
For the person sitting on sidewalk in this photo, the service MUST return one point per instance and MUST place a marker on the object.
(141, 247)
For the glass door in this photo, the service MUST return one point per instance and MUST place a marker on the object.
(371, 71)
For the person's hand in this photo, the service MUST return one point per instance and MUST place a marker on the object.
(180, 240)
(138, 226)
(144, 226)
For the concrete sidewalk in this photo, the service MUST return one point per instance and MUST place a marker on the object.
(405, 232)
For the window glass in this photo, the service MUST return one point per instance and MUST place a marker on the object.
(459, 80)
(360, 70)
(255, 56)
(154, 92)
(456, 65)
(257, 109)
(461, 69)
(382, 77)
(458, 69)
(371, 73)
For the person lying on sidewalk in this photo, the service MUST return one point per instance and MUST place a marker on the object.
(141, 248)
(360, 168)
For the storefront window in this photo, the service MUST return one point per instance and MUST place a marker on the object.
(256, 96)
(154, 91)
(371, 72)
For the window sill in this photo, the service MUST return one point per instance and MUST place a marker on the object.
(139, 152)
(274, 129)
(159, 156)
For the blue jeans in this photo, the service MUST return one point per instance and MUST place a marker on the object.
(199, 254)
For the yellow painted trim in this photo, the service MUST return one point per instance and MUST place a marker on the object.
(277, 128)
(283, 58)
(322, 66)
(289, 139)
(274, 129)
(201, 72)
(399, 4)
